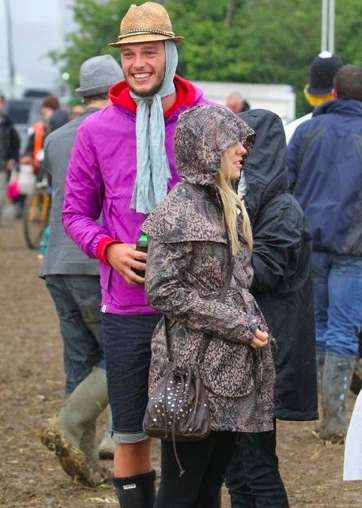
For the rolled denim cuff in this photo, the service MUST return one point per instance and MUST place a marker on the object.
(128, 437)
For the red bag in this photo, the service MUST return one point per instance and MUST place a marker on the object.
(13, 190)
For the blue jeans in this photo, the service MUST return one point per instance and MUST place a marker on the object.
(337, 302)
(77, 302)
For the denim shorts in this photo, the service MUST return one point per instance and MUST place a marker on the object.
(127, 348)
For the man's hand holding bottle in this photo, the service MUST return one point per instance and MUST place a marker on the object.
(129, 260)
(125, 259)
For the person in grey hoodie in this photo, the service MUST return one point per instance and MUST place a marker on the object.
(72, 280)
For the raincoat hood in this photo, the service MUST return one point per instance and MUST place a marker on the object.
(202, 134)
(266, 170)
(191, 212)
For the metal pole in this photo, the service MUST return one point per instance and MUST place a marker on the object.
(9, 34)
(331, 25)
(324, 25)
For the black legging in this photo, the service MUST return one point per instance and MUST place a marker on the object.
(204, 463)
(253, 477)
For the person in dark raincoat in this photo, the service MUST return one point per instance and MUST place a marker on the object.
(283, 290)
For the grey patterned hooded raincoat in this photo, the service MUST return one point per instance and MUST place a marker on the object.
(187, 266)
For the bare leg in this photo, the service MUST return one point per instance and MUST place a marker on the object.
(134, 480)
(132, 459)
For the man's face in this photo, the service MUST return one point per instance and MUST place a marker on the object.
(234, 103)
(143, 66)
(46, 112)
(2, 104)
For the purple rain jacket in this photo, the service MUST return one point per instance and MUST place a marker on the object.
(100, 179)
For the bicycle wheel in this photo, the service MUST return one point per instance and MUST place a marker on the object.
(36, 217)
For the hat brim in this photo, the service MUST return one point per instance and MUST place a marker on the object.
(89, 92)
(133, 39)
(318, 92)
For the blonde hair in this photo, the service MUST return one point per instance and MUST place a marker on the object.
(232, 203)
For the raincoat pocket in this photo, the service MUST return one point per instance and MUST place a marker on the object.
(227, 368)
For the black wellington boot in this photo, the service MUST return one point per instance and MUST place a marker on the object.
(136, 491)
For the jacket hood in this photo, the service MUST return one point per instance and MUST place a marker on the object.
(202, 134)
(344, 106)
(186, 95)
(266, 172)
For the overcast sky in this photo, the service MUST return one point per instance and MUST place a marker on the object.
(38, 26)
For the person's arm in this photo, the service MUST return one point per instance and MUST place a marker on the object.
(166, 289)
(83, 201)
(28, 152)
(83, 197)
(278, 236)
(46, 163)
(45, 169)
(14, 145)
(294, 146)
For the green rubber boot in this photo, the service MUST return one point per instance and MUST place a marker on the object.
(320, 356)
(72, 435)
(337, 375)
(106, 447)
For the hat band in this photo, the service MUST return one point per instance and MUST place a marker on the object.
(144, 31)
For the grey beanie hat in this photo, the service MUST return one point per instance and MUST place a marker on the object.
(97, 75)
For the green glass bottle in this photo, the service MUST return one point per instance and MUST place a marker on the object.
(141, 245)
(142, 242)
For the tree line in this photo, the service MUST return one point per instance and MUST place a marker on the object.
(254, 41)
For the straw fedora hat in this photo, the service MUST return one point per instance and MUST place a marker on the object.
(145, 23)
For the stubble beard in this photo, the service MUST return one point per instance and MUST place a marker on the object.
(146, 93)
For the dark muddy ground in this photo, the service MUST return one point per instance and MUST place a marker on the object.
(31, 390)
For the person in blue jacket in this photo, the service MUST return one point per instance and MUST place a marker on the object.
(325, 173)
